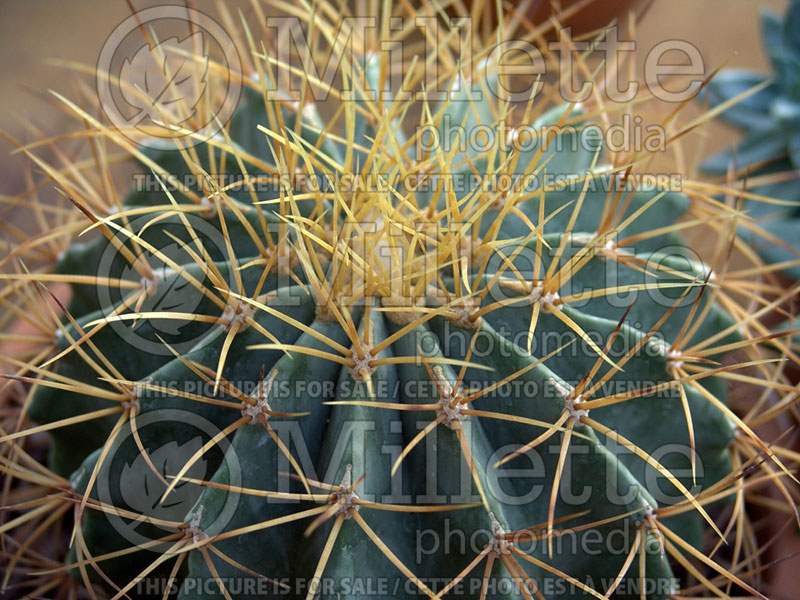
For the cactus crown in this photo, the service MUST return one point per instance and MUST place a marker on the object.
(312, 380)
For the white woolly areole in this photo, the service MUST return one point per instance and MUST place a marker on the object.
(236, 314)
(284, 259)
(498, 544)
(261, 397)
(309, 111)
(707, 271)
(502, 199)
(648, 513)
(361, 365)
(459, 312)
(447, 408)
(573, 408)
(733, 424)
(538, 295)
(137, 390)
(132, 403)
(587, 238)
(463, 312)
(571, 405)
(346, 498)
(674, 359)
(149, 283)
(421, 166)
(513, 135)
(193, 526)
(209, 202)
(659, 346)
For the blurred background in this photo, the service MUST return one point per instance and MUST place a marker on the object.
(33, 31)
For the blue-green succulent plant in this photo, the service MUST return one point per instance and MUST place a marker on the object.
(770, 148)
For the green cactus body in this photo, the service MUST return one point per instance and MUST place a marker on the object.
(343, 386)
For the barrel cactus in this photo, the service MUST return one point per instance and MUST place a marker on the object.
(767, 108)
(375, 364)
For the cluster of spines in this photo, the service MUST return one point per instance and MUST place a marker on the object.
(305, 237)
